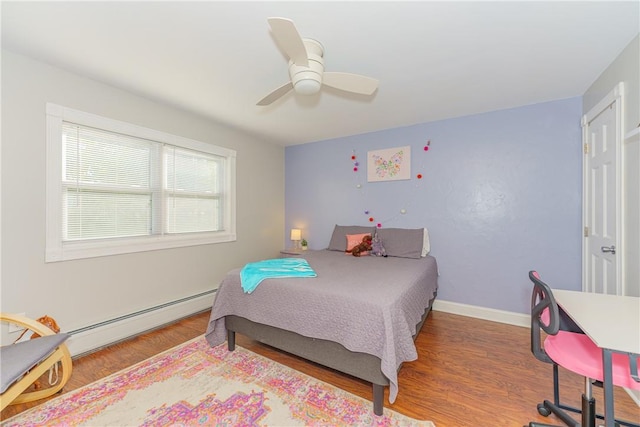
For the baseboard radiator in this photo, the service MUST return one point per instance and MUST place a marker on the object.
(93, 337)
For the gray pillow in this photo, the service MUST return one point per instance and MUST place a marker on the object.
(339, 237)
(402, 242)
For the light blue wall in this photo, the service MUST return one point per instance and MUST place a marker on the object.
(500, 195)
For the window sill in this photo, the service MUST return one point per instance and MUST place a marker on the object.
(91, 249)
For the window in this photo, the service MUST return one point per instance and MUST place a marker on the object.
(114, 188)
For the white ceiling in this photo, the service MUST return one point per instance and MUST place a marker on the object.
(434, 60)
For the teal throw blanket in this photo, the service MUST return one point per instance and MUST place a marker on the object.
(255, 272)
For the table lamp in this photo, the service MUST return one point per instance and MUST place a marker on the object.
(296, 236)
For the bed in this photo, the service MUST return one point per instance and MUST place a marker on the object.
(359, 316)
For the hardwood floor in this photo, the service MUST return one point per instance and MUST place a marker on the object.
(469, 372)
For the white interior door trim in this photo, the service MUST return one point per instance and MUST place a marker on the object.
(616, 97)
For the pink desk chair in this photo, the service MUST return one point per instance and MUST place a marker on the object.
(575, 352)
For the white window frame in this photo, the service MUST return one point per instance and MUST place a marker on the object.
(59, 250)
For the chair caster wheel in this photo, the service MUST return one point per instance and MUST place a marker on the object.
(543, 410)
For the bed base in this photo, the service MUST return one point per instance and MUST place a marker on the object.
(326, 353)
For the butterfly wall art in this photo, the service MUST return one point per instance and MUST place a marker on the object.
(391, 164)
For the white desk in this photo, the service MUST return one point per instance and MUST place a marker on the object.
(613, 324)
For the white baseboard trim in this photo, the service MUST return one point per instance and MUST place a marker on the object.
(89, 339)
(500, 316)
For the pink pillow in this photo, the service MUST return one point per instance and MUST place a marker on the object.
(354, 240)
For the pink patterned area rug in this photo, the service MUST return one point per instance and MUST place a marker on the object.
(194, 384)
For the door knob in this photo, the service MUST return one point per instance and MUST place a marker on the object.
(611, 249)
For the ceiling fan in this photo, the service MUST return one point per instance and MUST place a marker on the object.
(306, 66)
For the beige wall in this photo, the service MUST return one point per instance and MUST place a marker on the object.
(626, 68)
(83, 292)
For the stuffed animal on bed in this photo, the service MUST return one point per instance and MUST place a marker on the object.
(376, 247)
(361, 248)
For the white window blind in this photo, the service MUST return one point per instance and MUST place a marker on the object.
(107, 184)
(113, 187)
(193, 185)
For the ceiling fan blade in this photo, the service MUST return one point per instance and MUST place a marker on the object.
(289, 40)
(276, 94)
(350, 82)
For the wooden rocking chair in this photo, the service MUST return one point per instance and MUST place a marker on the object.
(23, 363)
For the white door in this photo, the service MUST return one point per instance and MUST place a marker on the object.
(602, 138)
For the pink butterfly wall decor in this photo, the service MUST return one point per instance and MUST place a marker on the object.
(389, 164)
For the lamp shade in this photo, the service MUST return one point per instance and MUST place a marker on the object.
(296, 234)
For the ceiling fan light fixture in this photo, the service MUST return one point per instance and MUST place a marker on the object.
(307, 86)
(307, 80)
(306, 66)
